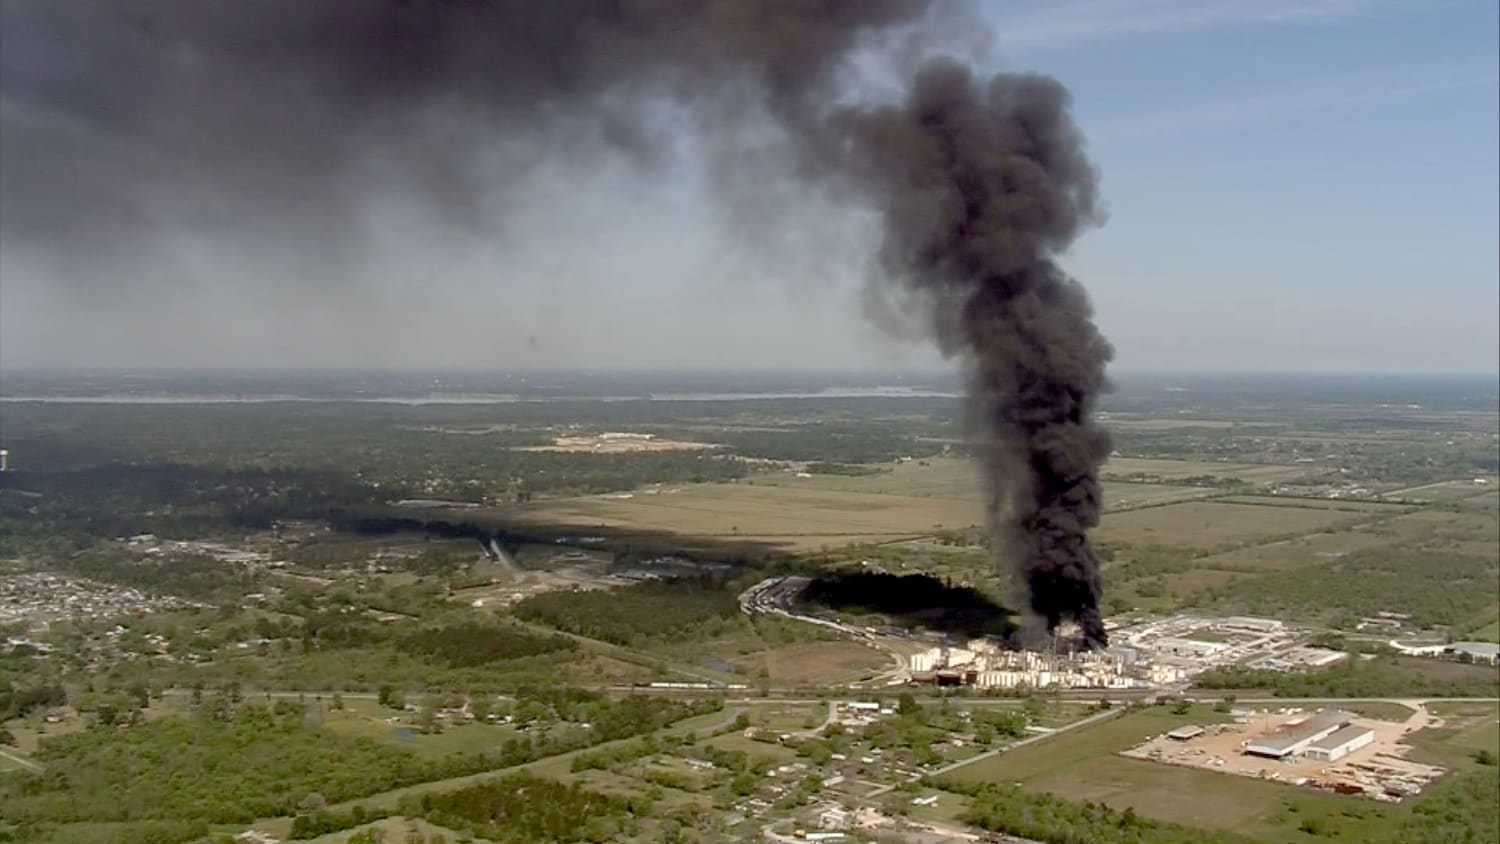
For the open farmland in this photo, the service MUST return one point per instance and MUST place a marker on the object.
(1344, 504)
(1289, 553)
(1211, 525)
(1446, 490)
(1176, 470)
(957, 478)
(795, 518)
(905, 500)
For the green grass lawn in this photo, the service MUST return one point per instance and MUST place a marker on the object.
(1468, 727)
(1085, 765)
(751, 747)
(948, 809)
(1381, 710)
(461, 738)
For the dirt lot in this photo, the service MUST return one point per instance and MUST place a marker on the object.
(1221, 749)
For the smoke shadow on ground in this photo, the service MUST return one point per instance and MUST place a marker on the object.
(913, 600)
(511, 535)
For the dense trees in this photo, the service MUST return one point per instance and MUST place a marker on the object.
(1434, 587)
(1381, 677)
(524, 809)
(238, 762)
(189, 768)
(680, 609)
(1463, 810)
(472, 643)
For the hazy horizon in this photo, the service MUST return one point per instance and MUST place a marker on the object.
(1266, 211)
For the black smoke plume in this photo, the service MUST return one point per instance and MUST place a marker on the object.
(127, 123)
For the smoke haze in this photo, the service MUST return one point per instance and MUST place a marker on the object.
(284, 127)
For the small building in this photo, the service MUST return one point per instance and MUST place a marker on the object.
(1341, 743)
(1185, 732)
(833, 818)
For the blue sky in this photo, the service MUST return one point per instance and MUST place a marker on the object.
(1291, 185)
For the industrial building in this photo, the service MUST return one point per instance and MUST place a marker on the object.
(1296, 736)
(1185, 733)
(1253, 625)
(1173, 646)
(1341, 743)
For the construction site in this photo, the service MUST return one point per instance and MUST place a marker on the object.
(1326, 749)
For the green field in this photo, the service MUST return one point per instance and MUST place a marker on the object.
(1290, 553)
(1467, 727)
(1447, 490)
(1170, 470)
(1085, 765)
(904, 500)
(1210, 525)
(359, 720)
(804, 519)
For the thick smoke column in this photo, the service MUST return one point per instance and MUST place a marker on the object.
(981, 183)
(276, 121)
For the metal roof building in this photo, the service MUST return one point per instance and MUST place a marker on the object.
(1293, 738)
(1185, 732)
(1337, 745)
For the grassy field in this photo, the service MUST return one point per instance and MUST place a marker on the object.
(958, 479)
(1211, 524)
(1171, 470)
(902, 500)
(1085, 765)
(461, 738)
(1347, 505)
(807, 518)
(1448, 490)
(1467, 728)
(818, 663)
(1274, 556)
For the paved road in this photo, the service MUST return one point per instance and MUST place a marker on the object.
(29, 765)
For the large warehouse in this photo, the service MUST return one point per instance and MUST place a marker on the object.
(1336, 746)
(1297, 736)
